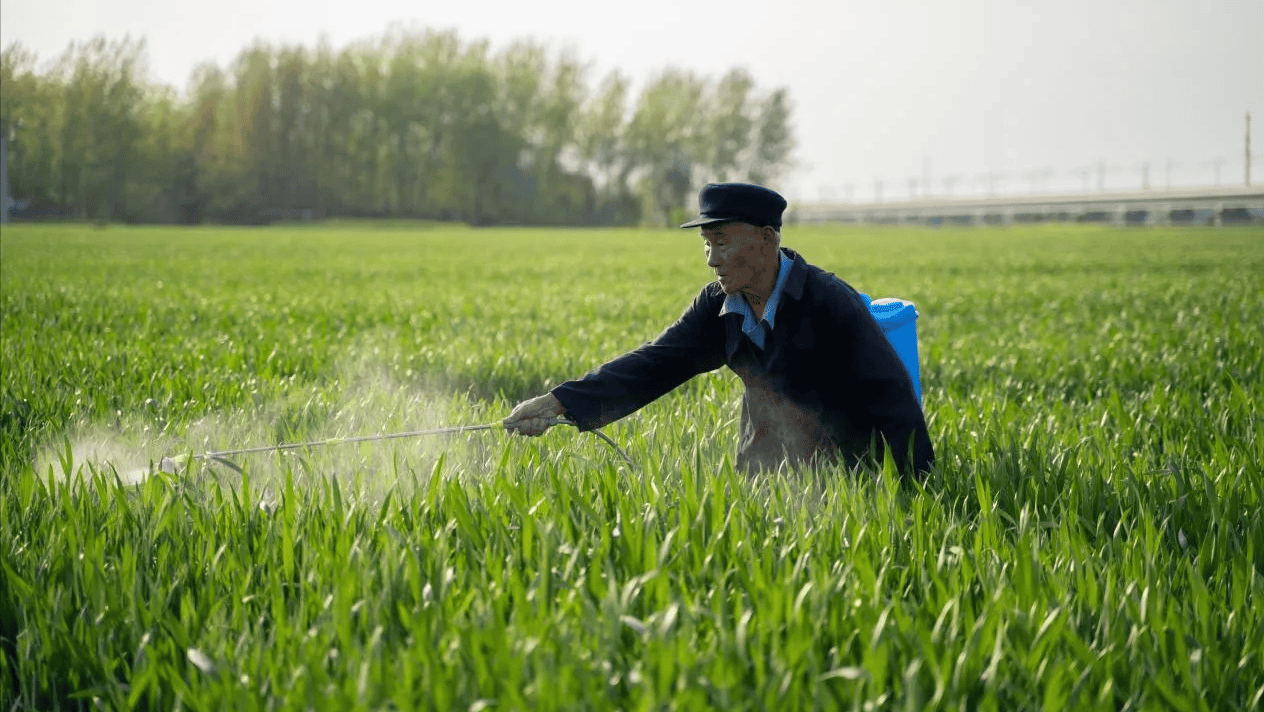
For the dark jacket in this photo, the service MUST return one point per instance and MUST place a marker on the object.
(826, 384)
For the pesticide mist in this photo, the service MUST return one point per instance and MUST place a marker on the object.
(364, 399)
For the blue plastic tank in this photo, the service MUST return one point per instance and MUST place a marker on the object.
(898, 319)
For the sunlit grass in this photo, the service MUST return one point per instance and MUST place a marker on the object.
(1092, 537)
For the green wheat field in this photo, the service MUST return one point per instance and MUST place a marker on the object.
(1092, 536)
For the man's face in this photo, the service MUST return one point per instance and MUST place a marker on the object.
(739, 253)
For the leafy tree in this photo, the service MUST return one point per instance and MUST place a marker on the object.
(601, 137)
(729, 131)
(412, 123)
(100, 126)
(30, 104)
(773, 141)
(665, 140)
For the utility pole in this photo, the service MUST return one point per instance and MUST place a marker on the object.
(1083, 173)
(1248, 148)
(990, 179)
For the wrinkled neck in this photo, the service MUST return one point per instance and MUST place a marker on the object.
(761, 289)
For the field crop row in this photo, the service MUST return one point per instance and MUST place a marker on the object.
(1092, 536)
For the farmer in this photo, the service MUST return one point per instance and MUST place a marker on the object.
(822, 381)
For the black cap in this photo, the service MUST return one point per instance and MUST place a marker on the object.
(753, 204)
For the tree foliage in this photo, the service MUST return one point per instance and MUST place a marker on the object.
(408, 124)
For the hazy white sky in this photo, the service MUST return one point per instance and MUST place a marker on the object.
(882, 89)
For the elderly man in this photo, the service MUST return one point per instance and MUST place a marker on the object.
(822, 381)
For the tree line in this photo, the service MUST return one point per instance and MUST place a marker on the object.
(418, 124)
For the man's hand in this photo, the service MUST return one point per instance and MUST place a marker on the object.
(531, 417)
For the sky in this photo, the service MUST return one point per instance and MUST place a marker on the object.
(976, 95)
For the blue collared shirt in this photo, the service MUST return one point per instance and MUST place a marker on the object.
(758, 331)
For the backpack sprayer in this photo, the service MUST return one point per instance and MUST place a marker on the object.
(172, 465)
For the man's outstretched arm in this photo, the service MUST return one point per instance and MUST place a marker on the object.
(692, 345)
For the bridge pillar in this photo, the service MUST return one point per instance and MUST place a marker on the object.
(1217, 215)
(1120, 216)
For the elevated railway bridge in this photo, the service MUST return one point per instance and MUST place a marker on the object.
(1217, 205)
